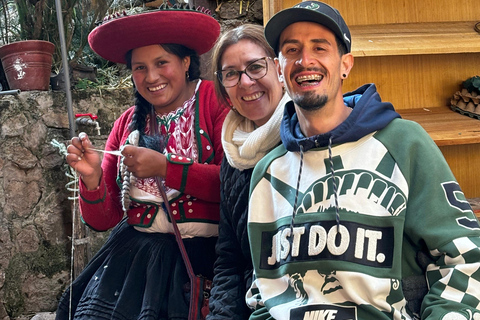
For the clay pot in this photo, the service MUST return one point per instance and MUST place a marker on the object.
(27, 64)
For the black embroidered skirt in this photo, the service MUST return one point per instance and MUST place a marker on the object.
(137, 275)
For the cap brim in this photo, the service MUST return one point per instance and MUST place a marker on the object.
(113, 39)
(284, 18)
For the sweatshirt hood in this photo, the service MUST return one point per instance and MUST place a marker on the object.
(369, 114)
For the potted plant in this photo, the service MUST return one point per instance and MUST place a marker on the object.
(29, 31)
(27, 59)
(27, 64)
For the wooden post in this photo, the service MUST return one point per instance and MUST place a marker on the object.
(270, 7)
(80, 259)
(80, 242)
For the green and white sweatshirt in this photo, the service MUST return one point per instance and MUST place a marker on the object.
(402, 219)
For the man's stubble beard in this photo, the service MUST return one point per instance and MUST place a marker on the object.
(310, 101)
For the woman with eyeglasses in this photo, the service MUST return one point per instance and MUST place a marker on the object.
(247, 82)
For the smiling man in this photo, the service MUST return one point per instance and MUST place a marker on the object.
(357, 214)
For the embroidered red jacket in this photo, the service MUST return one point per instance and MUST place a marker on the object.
(199, 183)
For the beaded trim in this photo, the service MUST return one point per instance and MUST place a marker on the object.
(165, 6)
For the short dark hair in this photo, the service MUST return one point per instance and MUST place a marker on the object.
(341, 47)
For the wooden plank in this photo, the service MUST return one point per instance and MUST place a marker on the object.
(431, 37)
(415, 38)
(80, 252)
(445, 126)
(458, 137)
(371, 12)
(416, 81)
(463, 161)
(418, 53)
(270, 7)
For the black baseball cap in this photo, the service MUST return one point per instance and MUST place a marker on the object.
(313, 11)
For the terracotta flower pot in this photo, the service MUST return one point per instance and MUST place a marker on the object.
(27, 64)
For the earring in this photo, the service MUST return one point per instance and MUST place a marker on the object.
(187, 75)
(281, 78)
(344, 76)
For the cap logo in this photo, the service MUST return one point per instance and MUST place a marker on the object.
(312, 6)
(346, 38)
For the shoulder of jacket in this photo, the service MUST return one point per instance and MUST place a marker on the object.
(402, 127)
(127, 115)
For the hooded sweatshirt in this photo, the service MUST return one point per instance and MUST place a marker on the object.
(340, 223)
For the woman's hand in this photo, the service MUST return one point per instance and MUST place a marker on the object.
(85, 161)
(144, 162)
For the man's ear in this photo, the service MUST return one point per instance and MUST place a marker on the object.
(347, 65)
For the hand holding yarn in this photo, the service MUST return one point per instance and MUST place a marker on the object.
(144, 162)
(85, 161)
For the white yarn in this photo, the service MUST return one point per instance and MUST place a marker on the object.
(244, 145)
(128, 179)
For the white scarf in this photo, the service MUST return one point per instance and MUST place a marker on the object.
(244, 145)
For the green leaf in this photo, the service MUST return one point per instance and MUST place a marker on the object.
(472, 84)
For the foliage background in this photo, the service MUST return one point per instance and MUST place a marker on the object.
(37, 19)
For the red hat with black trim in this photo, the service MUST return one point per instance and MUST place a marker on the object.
(194, 29)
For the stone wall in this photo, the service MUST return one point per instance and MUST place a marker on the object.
(35, 212)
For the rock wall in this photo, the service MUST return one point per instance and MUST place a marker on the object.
(35, 212)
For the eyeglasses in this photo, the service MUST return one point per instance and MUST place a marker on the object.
(255, 71)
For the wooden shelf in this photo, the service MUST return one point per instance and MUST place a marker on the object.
(418, 53)
(445, 126)
(415, 38)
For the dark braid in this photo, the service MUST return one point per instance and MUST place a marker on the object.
(143, 107)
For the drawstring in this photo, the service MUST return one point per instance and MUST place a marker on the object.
(332, 170)
(298, 187)
(335, 188)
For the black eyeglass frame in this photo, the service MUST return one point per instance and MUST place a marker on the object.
(219, 75)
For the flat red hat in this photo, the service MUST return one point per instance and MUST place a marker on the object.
(193, 29)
